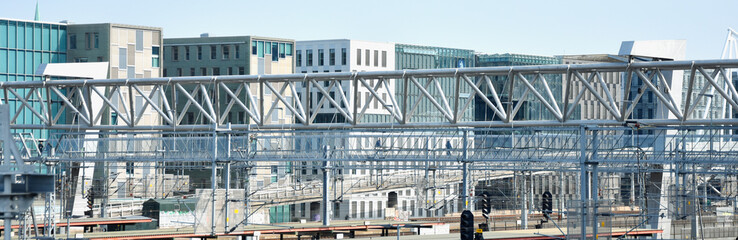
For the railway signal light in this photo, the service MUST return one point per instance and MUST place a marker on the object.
(486, 206)
(466, 225)
(547, 204)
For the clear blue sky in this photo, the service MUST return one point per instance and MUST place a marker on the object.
(545, 27)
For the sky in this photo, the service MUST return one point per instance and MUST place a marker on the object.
(544, 27)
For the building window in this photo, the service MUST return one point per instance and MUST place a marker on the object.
(376, 58)
(384, 58)
(179, 72)
(241, 71)
(97, 40)
(192, 71)
(309, 57)
(260, 49)
(203, 71)
(155, 56)
(229, 71)
(367, 57)
(358, 57)
(122, 58)
(288, 49)
(88, 40)
(226, 52)
(72, 41)
(139, 40)
(332, 57)
(281, 50)
(268, 48)
(343, 56)
(253, 47)
(187, 53)
(199, 52)
(175, 53)
(238, 51)
(298, 61)
(321, 57)
(213, 51)
(275, 115)
(216, 71)
(275, 50)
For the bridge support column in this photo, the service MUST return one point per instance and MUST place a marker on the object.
(524, 203)
(326, 192)
(213, 182)
(465, 174)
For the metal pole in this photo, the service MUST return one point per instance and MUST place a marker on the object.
(247, 194)
(583, 180)
(595, 198)
(594, 190)
(326, 192)
(7, 230)
(694, 208)
(227, 176)
(524, 204)
(214, 182)
(465, 173)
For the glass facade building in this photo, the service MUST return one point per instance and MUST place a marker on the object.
(532, 108)
(24, 45)
(427, 57)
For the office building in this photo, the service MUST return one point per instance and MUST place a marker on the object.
(532, 109)
(234, 55)
(345, 55)
(428, 57)
(589, 107)
(24, 45)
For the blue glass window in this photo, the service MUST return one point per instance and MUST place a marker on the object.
(260, 48)
(281, 50)
(3, 56)
(46, 40)
(11, 61)
(275, 50)
(54, 40)
(11, 35)
(253, 47)
(298, 58)
(21, 43)
(268, 49)
(321, 55)
(3, 34)
(288, 49)
(62, 39)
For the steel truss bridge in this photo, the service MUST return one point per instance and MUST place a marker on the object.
(678, 151)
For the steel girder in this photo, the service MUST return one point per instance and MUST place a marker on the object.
(212, 98)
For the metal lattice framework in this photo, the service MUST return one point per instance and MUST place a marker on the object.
(213, 97)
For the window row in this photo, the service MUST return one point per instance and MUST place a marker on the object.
(368, 58)
(92, 40)
(332, 58)
(36, 36)
(277, 50)
(212, 52)
(203, 71)
(12, 61)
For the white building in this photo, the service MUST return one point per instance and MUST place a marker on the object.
(345, 55)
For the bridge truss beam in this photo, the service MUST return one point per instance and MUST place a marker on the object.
(214, 97)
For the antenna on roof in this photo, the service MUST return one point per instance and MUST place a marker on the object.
(37, 17)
